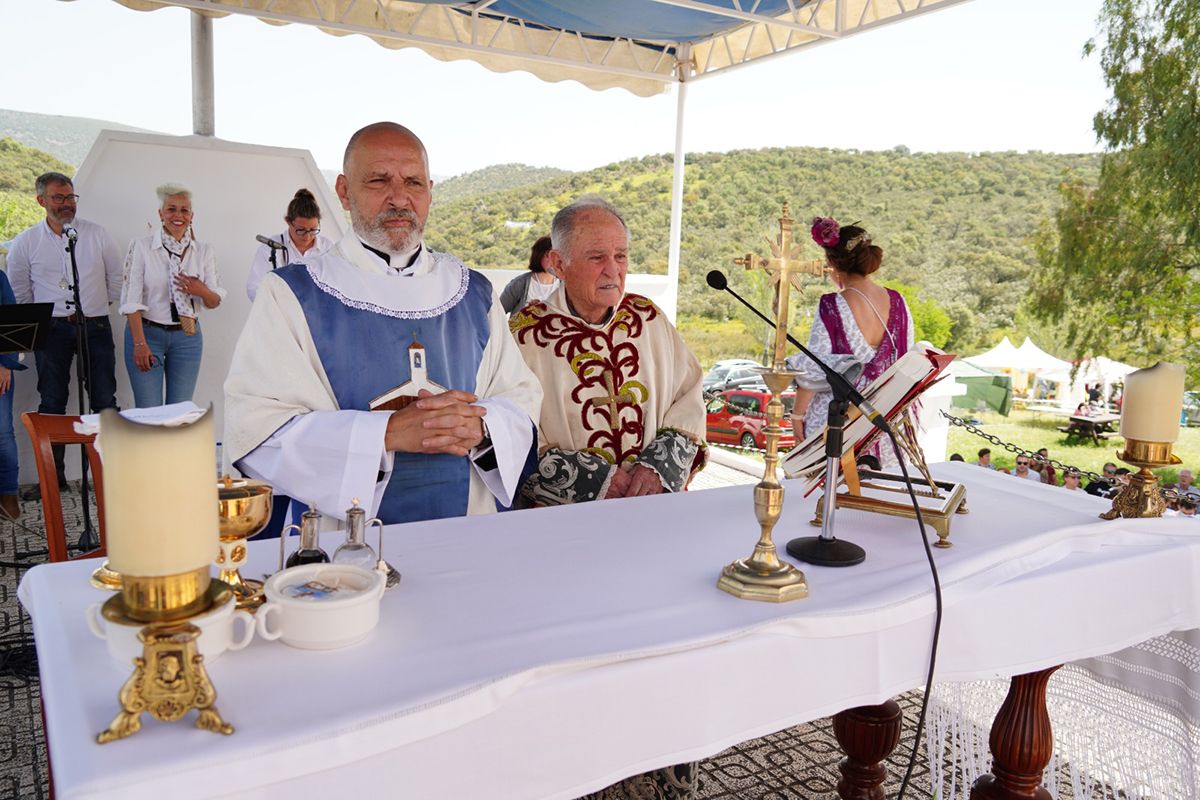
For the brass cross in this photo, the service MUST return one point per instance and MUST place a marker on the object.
(785, 269)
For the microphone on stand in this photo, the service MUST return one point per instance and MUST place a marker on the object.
(271, 243)
(837, 382)
(70, 232)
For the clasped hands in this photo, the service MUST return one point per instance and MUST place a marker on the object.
(635, 481)
(437, 423)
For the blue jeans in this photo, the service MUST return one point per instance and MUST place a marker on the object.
(54, 365)
(176, 359)
(8, 444)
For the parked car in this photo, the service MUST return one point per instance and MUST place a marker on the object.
(1191, 409)
(739, 416)
(715, 378)
(745, 376)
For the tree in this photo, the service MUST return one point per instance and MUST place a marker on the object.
(1119, 264)
(930, 322)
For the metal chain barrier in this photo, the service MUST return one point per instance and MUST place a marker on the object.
(1170, 494)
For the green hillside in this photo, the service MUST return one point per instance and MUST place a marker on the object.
(496, 178)
(68, 138)
(956, 226)
(19, 168)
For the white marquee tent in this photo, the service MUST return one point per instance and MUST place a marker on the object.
(1032, 358)
(1001, 357)
(1101, 370)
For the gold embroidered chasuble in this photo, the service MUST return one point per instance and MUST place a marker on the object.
(622, 391)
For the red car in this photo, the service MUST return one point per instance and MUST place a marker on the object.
(739, 416)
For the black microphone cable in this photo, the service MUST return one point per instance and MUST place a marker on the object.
(937, 617)
(717, 280)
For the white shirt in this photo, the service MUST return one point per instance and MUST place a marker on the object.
(147, 286)
(262, 259)
(39, 268)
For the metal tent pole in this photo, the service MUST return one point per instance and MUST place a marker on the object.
(670, 299)
(203, 103)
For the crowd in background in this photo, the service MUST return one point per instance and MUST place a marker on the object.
(1181, 498)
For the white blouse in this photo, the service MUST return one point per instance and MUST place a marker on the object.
(146, 286)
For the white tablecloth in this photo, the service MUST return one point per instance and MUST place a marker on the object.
(549, 652)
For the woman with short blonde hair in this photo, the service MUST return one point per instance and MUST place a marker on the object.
(169, 278)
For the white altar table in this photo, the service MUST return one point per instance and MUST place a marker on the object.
(547, 653)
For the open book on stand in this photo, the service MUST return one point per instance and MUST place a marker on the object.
(894, 394)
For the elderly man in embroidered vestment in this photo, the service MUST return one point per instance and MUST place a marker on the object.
(623, 413)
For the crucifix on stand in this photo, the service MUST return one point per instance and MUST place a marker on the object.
(785, 270)
(762, 576)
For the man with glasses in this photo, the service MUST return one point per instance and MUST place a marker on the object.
(1071, 480)
(1023, 470)
(1100, 488)
(39, 267)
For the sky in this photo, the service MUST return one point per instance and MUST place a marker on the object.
(982, 75)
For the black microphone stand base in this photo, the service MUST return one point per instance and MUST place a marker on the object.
(826, 552)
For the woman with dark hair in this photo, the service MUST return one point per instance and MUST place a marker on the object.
(863, 328)
(301, 239)
(536, 284)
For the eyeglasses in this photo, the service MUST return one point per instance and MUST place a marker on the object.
(1022, 463)
(1110, 472)
(306, 231)
(62, 198)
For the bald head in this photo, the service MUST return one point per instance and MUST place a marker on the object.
(385, 186)
(381, 130)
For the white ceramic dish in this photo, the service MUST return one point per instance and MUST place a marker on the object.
(321, 606)
(216, 632)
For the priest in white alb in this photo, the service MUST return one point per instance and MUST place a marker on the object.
(623, 414)
(381, 369)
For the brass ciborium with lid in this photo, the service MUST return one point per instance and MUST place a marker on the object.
(244, 510)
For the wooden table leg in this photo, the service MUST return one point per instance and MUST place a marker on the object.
(1021, 742)
(868, 735)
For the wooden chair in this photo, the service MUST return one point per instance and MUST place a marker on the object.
(46, 430)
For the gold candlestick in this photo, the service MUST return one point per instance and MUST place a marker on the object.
(1141, 496)
(763, 576)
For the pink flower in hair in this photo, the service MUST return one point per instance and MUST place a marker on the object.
(826, 231)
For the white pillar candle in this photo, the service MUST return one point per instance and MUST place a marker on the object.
(160, 495)
(1152, 403)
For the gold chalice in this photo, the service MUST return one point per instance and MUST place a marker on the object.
(245, 509)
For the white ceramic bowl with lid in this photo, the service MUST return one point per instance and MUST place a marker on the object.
(321, 606)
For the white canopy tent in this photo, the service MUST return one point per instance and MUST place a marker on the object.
(643, 46)
(1021, 363)
(1098, 370)
(1034, 359)
(1001, 357)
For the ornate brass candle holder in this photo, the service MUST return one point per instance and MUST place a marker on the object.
(169, 678)
(168, 681)
(763, 576)
(1141, 496)
(244, 509)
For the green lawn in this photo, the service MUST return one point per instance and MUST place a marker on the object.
(1033, 431)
